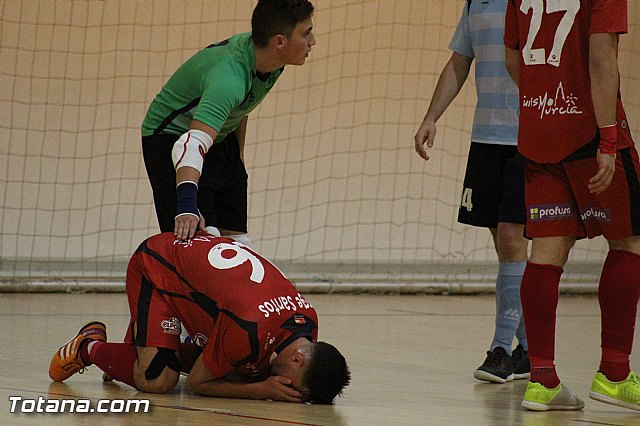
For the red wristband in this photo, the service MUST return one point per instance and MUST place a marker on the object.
(608, 139)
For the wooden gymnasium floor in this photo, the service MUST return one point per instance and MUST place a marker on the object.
(411, 357)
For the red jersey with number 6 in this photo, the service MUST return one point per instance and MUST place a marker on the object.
(234, 303)
(556, 109)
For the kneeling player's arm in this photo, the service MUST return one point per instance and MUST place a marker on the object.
(203, 382)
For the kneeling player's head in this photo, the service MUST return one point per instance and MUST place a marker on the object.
(326, 374)
(277, 17)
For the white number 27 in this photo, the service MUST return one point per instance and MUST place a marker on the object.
(538, 56)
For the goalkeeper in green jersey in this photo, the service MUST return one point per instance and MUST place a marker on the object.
(193, 134)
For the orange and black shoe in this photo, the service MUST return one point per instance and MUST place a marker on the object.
(67, 361)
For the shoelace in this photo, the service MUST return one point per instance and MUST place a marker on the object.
(493, 357)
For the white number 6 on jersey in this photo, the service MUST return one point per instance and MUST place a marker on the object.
(240, 256)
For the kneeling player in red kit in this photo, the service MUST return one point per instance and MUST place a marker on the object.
(253, 335)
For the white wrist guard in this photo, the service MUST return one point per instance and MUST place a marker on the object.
(190, 149)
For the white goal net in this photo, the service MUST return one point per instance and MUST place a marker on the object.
(338, 197)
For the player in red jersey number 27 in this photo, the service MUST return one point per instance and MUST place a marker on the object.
(581, 181)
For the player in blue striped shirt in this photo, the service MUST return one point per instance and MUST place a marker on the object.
(493, 190)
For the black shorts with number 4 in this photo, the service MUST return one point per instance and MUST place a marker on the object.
(493, 189)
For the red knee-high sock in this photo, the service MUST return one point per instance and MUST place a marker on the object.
(618, 294)
(115, 359)
(188, 353)
(539, 298)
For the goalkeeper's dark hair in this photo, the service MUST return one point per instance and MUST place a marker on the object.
(327, 374)
(273, 17)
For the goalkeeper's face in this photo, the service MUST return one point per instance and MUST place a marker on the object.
(299, 43)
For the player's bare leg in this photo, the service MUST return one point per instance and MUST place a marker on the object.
(150, 372)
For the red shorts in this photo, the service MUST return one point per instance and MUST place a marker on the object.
(153, 321)
(559, 203)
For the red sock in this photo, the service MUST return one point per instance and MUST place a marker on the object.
(188, 353)
(539, 297)
(615, 371)
(84, 353)
(547, 376)
(618, 294)
(116, 359)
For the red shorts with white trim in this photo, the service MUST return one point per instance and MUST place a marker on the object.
(154, 322)
(559, 203)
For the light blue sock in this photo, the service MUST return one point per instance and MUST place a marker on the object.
(508, 309)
